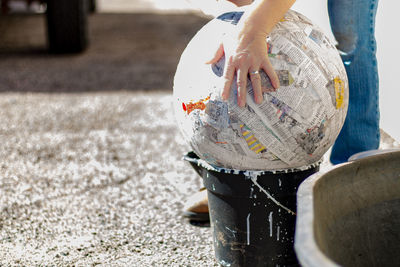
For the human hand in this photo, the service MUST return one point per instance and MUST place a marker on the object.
(246, 56)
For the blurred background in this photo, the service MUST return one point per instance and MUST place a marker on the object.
(133, 48)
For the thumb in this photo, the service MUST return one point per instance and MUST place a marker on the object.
(218, 54)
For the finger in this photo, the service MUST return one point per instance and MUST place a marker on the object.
(242, 86)
(256, 84)
(270, 71)
(228, 76)
(218, 54)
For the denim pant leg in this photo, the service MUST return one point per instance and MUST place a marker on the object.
(353, 25)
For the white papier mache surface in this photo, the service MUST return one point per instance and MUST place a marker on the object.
(292, 128)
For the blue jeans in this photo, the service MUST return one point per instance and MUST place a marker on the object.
(353, 25)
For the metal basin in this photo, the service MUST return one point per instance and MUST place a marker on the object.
(350, 215)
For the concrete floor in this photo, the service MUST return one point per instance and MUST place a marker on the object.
(91, 169)
(95, 179)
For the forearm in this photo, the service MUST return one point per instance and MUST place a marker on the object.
(261, 17)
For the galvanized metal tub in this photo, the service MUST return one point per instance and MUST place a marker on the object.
(350, 215)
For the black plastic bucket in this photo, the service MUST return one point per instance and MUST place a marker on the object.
(251, 228)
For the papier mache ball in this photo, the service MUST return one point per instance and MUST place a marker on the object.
(292, 128)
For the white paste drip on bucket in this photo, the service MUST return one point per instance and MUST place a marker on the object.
(270, 223)
(253, 177)
(248, 229)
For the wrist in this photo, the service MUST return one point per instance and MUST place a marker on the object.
(252, 34)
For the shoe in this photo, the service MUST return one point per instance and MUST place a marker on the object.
(196, 207)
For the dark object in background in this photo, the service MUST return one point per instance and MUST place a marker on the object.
(67, 25)
(92, 6)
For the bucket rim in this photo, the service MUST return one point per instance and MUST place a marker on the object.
(193, 158)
